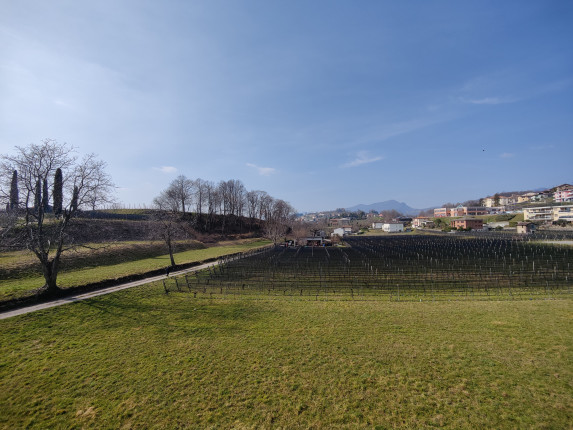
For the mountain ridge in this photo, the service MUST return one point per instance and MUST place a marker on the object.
(386, 205)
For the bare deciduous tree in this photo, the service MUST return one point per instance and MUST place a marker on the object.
(168, 227)
(100, 191)
(177, 197)
(200, 194)
(279, 220)
(33, 228)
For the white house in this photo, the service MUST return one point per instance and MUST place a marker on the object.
(393, 227)
(377, 225)
(338, 232)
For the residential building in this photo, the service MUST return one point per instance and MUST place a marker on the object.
(563, 195)
(461, 211)
(489, 202)
(377, 225)
(525, 227)
(525, 197)
(441, 212)
(472, 210)
(544, 213)
(502, 201)
(473, 223)
(563, 213)
(338, 232)
(494, 210)
(339, 221)
(548, 213)
(540, 197)
(422, 221)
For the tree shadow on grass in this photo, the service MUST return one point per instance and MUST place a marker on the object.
(173, 314)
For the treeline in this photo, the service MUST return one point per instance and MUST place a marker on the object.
(227, 198)
(43, 193)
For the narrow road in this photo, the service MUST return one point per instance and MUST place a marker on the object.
(84, 296)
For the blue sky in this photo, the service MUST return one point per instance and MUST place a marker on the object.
(324, 104)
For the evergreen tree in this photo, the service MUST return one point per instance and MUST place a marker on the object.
(37, 195)
(58, 193)
(75, 196)
(14, 194)
(45, 197)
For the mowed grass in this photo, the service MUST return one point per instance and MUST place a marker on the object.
(22, 286)
(143, 359)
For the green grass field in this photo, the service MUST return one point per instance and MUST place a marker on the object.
(112, 262)
(143, 359)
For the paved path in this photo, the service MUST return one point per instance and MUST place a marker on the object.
(558, 242)
(84, 296)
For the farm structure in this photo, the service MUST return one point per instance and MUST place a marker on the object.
(388, 227)
(393, 227)
(433, 267)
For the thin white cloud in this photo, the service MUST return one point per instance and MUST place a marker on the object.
(166, 169)
(542, 147)
(388, 131)
(362, 158)
(263, 171)
(514, 83)
(507, 155)
(490, 100)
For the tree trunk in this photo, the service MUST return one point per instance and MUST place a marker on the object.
(50, 270)
(170, 246)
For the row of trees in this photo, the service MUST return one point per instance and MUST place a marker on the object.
(225, 198)
(229, 198)
(41, 195)
(35, 166)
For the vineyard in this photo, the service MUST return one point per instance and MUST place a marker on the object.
(393, 268)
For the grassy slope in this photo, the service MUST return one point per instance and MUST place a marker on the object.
(18, 264)
(20, 286)
(140, 359)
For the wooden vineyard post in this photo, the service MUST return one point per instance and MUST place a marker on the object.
(165, 287)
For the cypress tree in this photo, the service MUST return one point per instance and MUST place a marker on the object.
(45, 197)
(38, 196)
(58, 193)
(75, 196)
(14, 194)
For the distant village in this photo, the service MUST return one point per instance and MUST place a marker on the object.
(520, 212)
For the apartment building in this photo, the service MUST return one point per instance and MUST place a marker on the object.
(490, 202)
(461, 211)
(473, 223)
(548, 213)
(565, 195)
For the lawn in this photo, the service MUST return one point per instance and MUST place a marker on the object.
(143, 359)
(110, 264)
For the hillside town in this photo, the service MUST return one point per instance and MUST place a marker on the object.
(522, 212)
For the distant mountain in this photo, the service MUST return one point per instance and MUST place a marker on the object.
(386, 206)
